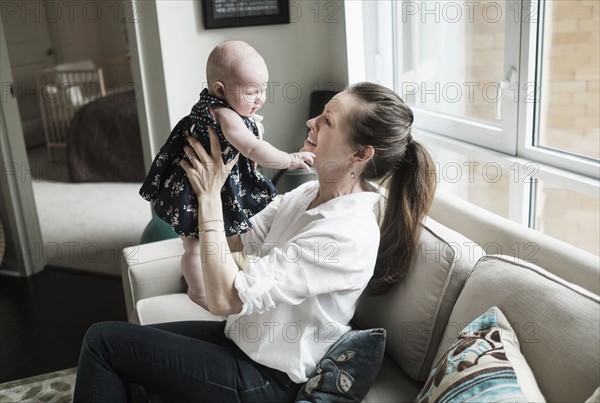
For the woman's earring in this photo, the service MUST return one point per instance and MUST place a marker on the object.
(353, 174)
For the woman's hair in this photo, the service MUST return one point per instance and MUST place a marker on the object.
(382, 120)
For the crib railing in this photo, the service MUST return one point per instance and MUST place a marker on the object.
(65, 88)
(61, 92)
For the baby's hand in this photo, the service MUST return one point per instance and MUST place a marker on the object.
(302, 159)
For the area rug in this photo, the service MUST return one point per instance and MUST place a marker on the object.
(52, 387)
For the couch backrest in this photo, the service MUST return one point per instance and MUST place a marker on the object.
(557, 323)
(416, 311)
(500, 236)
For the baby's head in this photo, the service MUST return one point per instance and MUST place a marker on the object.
(237, 73)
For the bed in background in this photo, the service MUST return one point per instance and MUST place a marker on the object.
(90, 111)
(104, 141)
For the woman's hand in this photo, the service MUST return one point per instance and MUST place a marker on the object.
(206, 172)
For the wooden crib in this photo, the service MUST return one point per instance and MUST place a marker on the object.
(65, 88)
(62, 90)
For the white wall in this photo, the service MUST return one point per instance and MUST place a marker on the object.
(73, 27)
(112, 33)
(86, 29)
(307, 54)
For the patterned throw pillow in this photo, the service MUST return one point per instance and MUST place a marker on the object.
(484, 364)
(348, 369)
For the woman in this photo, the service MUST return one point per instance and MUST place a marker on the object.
(316, 247)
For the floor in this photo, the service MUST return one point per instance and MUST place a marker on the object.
(44, 318)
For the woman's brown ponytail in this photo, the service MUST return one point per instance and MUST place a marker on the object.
(411, 187)
(383, 121)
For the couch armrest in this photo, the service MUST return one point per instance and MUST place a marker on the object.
(154, 269)
(151, 270)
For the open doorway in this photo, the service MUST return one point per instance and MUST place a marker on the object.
(85, 223)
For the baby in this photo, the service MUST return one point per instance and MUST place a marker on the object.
(237, 80)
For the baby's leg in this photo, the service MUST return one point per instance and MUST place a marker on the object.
(191, 268)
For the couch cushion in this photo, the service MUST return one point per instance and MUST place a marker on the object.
(484, 364)
(416, 311)
(556, 323)
(392, 385)
(171, 308)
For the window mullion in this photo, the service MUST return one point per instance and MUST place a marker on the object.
(510, 96)
(523, 210)
(526, 107)
(519, 200)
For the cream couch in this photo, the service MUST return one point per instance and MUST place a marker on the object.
(548, 291)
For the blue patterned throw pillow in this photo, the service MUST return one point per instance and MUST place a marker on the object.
(484, 364)
(348, 369)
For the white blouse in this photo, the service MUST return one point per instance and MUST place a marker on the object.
(301, 291)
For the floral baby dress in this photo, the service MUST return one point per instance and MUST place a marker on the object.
(245, 193)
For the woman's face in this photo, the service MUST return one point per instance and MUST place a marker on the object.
(329, 136)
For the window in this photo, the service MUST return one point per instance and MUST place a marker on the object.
(567, 215)
(473, 179)
(505, 93)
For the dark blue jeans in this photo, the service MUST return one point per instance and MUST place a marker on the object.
(181, 362)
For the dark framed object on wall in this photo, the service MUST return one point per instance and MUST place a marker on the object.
(243, 13)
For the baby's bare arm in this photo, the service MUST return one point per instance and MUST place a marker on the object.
(259, 151)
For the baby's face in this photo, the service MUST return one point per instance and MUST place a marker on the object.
(247, 98)
(250, 89)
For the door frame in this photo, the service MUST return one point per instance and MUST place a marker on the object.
(25, 255)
